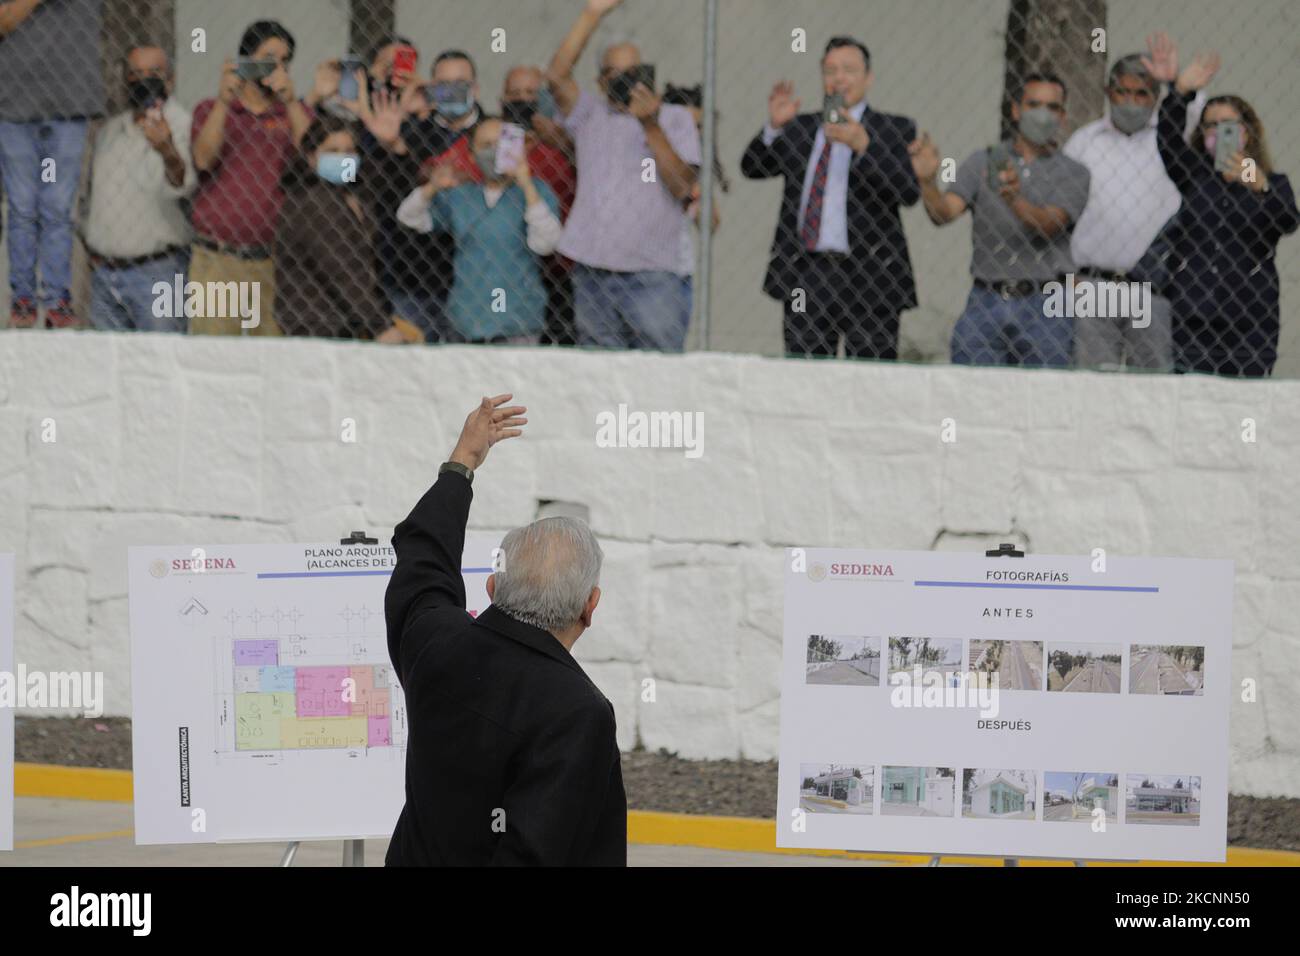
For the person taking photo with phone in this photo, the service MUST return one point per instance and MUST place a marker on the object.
(135, 225)
(242, 140)
(1224, 283)
(500, 227)
(409, 135)
(1025, 197)
(624, 231)
(839, 262)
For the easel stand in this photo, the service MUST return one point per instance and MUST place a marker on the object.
(1006, 861)
(354, 851)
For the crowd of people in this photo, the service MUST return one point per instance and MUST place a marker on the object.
(383, 204)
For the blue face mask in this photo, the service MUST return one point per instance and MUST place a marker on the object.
(338, 168)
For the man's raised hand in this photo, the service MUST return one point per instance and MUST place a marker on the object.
(485, 426)
(782, 104)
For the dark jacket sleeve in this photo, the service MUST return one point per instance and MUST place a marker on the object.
(429, 545)
(761, 161)
(1275, 212)
(1182, 162)
(886, 166)
(554, 798)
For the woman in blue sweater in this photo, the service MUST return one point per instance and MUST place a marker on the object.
(1224, 283)
(501, 227)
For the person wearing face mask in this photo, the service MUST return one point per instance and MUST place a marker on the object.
(324, 243)
(242, 140)
(527, 101)
(624, 234)
(134, 225)
(500, 227)
(1020, 234)
(407, 139)
(1223, 284)
(1130, 198)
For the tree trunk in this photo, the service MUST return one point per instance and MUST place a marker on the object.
(371, 22)
(1056, 36)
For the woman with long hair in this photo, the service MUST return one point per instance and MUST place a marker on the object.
(1223, 285)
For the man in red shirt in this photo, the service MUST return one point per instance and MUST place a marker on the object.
(240, 143)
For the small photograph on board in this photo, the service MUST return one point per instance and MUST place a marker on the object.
(1018, 665)
(1084, 668)
(836, 659)
(930, 654)
(918, 791)
(1176, 670)
(999, 794)
(1078, 796)
(1167, 799)
(836, 788)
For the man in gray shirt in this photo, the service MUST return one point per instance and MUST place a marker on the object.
(50, 86)
(1020, 233)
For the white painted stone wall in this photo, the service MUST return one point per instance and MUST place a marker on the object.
(168, 439)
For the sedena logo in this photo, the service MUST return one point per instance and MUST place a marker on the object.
(849, 572)
(862, 570)
(203, 564)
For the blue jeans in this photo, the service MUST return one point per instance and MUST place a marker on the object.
(1015, 331)
(631, 310)
(40, 212)
(426, 312)
(123, 299)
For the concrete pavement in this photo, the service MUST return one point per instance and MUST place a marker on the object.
(59, 832)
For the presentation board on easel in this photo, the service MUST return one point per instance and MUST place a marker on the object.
(264, 704)
(7, 712)
(1037, 706)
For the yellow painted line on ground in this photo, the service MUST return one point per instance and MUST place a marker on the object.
(749, 835)
(72, 783)
(742, 834)
(73, 838)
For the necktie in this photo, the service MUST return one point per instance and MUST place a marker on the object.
(812, 214)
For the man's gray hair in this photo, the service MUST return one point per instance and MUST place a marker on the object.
(550, 568)
(1131, 65)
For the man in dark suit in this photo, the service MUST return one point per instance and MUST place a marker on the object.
(839, 261)
(511, 757)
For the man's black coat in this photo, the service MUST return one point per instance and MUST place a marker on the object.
(502, 718)
(880, 181)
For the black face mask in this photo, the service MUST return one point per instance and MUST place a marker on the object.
(146, 92)
(519, 112)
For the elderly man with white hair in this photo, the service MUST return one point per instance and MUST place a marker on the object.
(512, 758)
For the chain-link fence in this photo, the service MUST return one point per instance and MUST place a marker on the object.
(999, 182)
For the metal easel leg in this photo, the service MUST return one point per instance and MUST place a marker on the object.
(354, 852)
(290, 852)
